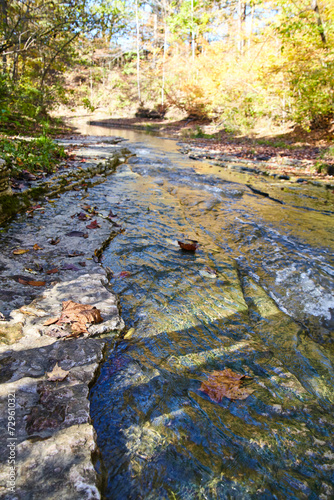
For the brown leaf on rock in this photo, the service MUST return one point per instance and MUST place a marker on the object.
(79, 315)
(37, 247)
(83, 216)
(54, 241)
(93, 225)
(75, 314)
(75, 254)
(57, 374)
(31, 282)
(52, 271)
(51, 321)
(227, 384)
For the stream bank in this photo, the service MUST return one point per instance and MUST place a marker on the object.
(49, 256)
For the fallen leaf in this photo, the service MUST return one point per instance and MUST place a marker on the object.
(20, 251)
(83, 216)
(79, 315)
(33, 283)
(123, 274)
(75, 314)
(93, 225)
(69, 267)
(111, 215)
(37, 247)
(75, 254)
(78, 234)
(91, 210)
(82, 264)
(52, 271)
(129, 333)
(189, 245)
(54, 241)
(57, 374)
(227, 384)
(51, 321)
(30, 270)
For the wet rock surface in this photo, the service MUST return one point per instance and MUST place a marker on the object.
(287, 181)
(52, 436)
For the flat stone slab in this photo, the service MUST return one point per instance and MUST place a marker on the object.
(46, 432)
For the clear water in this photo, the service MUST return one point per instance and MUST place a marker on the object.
(268, 314)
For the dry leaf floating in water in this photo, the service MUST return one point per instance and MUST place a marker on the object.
(225, 383)
(189, 245)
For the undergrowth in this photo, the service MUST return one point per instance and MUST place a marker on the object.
(36, 155)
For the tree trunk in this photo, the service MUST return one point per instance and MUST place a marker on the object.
(315, 8)
(192, 31)
(138, 53)
(3, 13)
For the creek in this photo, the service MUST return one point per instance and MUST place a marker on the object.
(255, 298)
(267, 314)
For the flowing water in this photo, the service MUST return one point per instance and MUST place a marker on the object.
(267, 313)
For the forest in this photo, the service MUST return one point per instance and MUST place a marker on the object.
(233, 62)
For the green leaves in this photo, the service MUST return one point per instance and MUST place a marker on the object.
(38, 154)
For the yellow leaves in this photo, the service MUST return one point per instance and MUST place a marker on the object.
(227, 384)
(20, 251)
(129, 334)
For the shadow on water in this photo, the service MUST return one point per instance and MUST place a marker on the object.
(266, 314)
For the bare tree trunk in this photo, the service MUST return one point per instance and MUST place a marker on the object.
(155, 30)
(138, 53)
(315, 8)
(3, 7)
(241, 20)
(192, 31)
(250, 33)
(15, 65)
(163, 64)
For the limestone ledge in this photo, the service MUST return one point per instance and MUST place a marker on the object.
(55, 441)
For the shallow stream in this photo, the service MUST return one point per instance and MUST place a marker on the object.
(255, 298)
(267, 313)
